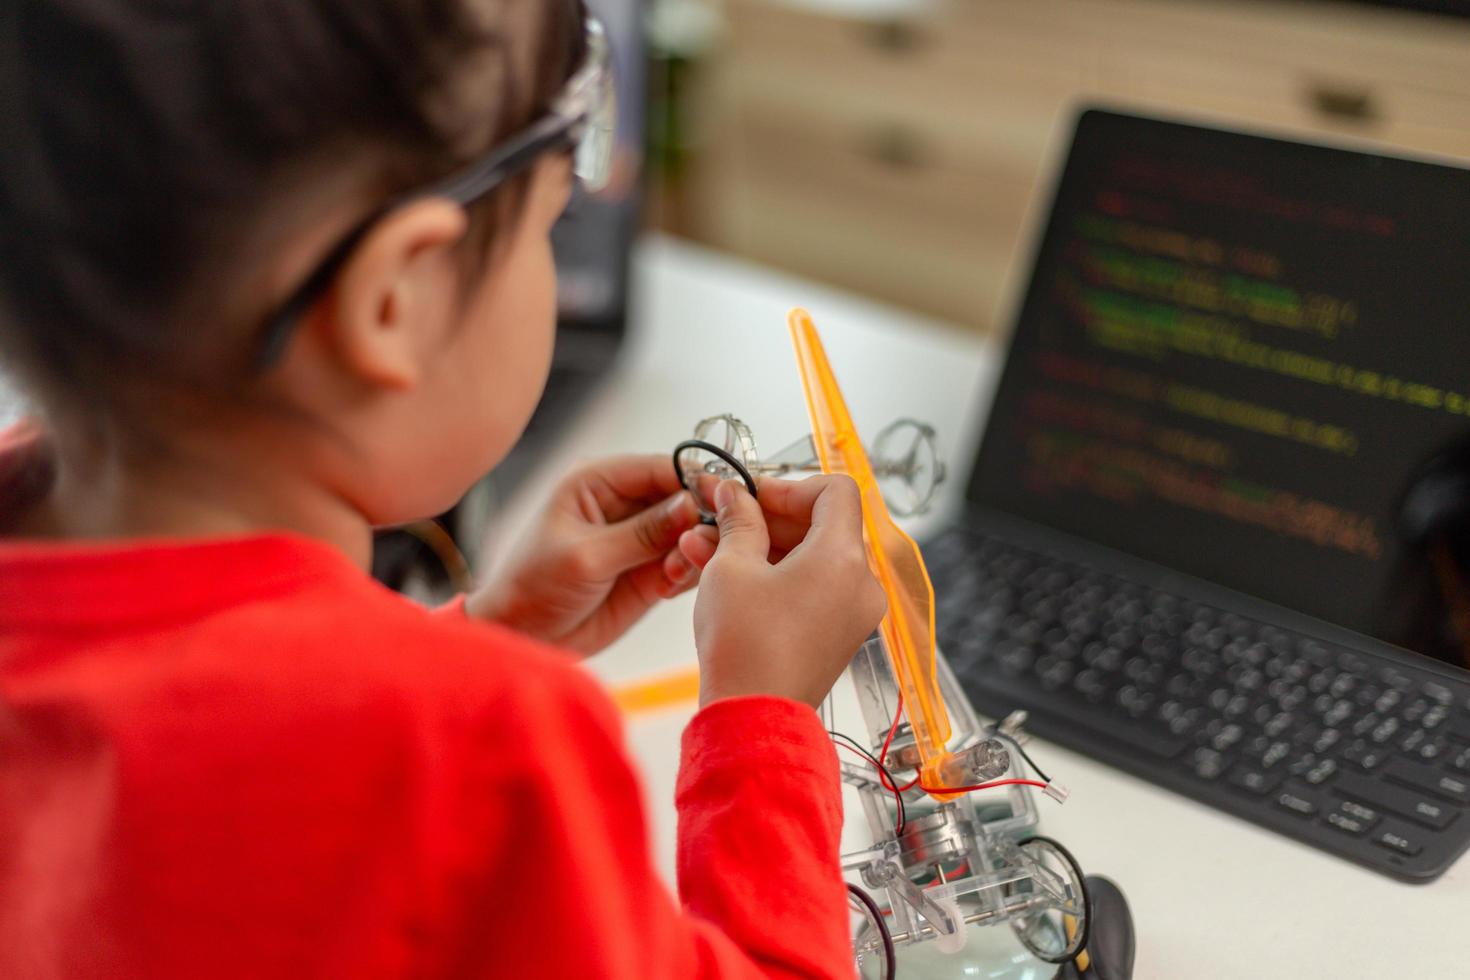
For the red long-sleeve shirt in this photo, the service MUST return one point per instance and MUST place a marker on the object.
(242, 758)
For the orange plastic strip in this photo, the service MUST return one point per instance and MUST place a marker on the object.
(657, 693)
(908, 628)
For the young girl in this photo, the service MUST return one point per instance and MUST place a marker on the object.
(274, 273)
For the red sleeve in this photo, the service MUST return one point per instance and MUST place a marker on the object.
(574, 890)
(760, 817)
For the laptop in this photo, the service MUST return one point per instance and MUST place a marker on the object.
(1217, 530)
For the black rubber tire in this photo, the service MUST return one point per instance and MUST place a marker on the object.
(1079, 943)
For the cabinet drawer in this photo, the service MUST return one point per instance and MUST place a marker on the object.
(1311, 100)
(877, 204)
(922, 58)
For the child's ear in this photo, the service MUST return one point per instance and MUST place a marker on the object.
(388, 305)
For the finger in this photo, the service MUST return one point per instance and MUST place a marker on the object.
(646, 536)
(742, 525)
(631, 596)
(791, 498)
(680, 575)
(786, 533)
(838, 510)
(795, 508)
(698, 544)
(624, 485)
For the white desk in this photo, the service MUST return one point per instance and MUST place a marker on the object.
(1213, 896)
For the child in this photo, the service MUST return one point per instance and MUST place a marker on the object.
(275, 273)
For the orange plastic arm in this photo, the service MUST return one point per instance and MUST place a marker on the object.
(908, 628)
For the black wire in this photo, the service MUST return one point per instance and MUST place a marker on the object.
(1032, 763)
(890, 958)
(1024, 754)
(903, 818)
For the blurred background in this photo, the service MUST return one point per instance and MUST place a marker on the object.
(801, 133)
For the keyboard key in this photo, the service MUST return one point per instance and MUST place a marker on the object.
(1347, 824)
(1208, 764)
(1358, 811)
(1384, 730)
(1134, 702)
(1461, 762)
(1091, 685)
(1253, 780)
(1315, 652)
(1299, 803)
(1437, 693)
(1226, 737)
(1429, 779)
(1326, 740)
(1396, 679)
(1406, 803)
(1366, 724)
(1399, 842)
(1275, 753)
(1340, 712)
(1387, 701)
(1279, 723)
(1415, 711)
(1321, 772)
(1431, 750)
(1364, 755)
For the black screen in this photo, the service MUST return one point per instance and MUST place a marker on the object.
(1249, 360)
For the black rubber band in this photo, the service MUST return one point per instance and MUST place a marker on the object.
(711, 448)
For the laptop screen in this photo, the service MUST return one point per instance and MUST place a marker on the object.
(1249, 360)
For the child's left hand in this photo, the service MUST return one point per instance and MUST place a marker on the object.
(606, 550)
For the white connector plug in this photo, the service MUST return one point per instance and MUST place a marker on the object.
(1057, 792)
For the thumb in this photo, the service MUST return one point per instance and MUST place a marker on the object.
(742, 525)
(649, 534)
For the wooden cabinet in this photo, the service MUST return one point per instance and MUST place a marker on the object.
(898, 156)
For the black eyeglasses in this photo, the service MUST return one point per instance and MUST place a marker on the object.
(582, 118)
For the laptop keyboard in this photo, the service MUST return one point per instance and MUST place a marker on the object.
(1360, 756)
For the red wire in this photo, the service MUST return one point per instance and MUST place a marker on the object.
(897, 715)
(989, 785)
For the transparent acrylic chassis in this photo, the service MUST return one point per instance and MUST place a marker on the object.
(961, 865)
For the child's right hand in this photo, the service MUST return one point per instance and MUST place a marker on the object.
(787, 597)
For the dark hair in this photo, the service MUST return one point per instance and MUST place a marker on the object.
(145, 143)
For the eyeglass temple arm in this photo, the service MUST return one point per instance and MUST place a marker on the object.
(463, 188)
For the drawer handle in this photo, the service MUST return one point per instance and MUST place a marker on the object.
(896, 147)
(1344, 101)
(893, 36)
